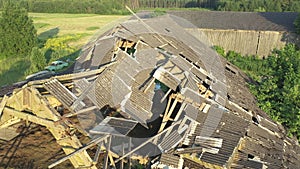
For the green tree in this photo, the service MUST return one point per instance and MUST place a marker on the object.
(277, 86)
(294, 6)
(17, 32)
(297, 24)
(259, 5)
(284, 98)
(37, 60)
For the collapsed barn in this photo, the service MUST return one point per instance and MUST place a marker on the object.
(152, 92)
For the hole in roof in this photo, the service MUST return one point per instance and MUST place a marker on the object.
(140, 131)
(161, 86)
(205, 85)
(114, 56)
(127, 46)
(230, 70)
(250, 156)
(255, 120)
(185, 58)
(174, 113)
(245, 109)
(109, 111)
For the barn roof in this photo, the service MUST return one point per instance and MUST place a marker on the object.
(260, 21)
(159, 91)
(216, 122)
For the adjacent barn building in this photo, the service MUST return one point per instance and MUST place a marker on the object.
(249, 33)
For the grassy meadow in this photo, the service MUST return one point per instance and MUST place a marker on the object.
(75, 30)
(72, 24)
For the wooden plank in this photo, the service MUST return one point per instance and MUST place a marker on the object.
(166, 111)
(84, 94)
(180, 111)
(74, 76)
(167, 114)
(105, 165)
(81, 111)
(29, 117)
(68, 143)
(98, 151)
(8, 133)
(149, 85)
(89, 145)
(166, 95)
(2, 104)
(166, 78)
(9, 122)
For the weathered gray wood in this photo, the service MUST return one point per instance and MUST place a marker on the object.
(146, 142)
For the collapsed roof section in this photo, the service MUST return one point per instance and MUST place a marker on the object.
(162, 94)
(147, 53)
(210, 112)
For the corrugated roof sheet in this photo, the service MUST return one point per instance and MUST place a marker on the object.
(170, 141)
(65, 96)
(169, 159)
(229, 117)
(114, 126)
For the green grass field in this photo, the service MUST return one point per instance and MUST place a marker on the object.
(89, 24)
(82, 26)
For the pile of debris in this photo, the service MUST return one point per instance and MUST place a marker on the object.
(153, 92)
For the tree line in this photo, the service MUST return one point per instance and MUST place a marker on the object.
(118, 6)
(73, 6)
(259, 5)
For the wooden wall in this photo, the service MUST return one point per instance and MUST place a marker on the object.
(250, 42)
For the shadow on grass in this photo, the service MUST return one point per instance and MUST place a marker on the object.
(72, 56)
(52, 55)
(15, 73)
(71, 59)
(44, 36)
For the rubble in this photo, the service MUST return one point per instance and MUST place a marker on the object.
(154, 93)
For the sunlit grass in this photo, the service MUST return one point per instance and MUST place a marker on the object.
(75, 24)
(92, 28)
(84, 26)
(72, 23)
